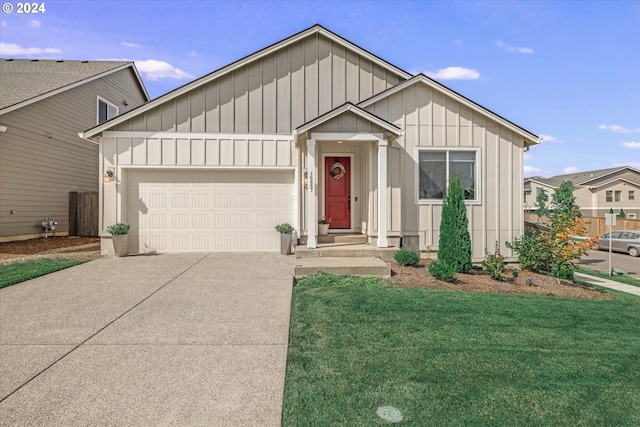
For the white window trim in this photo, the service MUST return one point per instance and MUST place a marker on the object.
(416, 189)
(631, 216)
(99, 98)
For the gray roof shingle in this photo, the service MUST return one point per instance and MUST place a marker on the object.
(24, 79)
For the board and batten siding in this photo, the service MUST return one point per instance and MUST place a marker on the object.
(433, 119)
(42, 158)
(189, 151)
(273, 94)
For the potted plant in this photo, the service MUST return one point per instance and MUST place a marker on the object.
(323, 226)
(120, 236)
(285, 230)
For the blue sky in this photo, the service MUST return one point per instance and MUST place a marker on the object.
(568, 71)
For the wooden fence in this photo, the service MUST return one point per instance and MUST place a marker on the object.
(595, 225)
(83, 213)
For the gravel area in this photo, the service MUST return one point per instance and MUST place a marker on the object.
(84, 248)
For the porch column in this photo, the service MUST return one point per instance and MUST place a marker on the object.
(312, 210)
(382, 194)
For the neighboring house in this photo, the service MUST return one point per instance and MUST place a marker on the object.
(44, 104)
(308, 127)
(596, 191)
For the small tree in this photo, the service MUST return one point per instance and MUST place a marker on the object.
(611, 210)
(541, 202)
(455, 241)
(563, 202)
(556, 250)
(622, 214)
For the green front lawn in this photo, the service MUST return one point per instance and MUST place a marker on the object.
(11, 274)
(458, 358)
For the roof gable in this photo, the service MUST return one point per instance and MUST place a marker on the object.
(422, 79)
(246, 61)
(25, 81)
(345, 108)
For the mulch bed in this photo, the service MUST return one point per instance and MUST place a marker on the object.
(477, 280)
(86, 248)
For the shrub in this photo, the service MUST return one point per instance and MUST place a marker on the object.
(455, 242)
(494, 264)
(406, 257)
(441, 270)
(622, 214)
(118, 229)
(284, 228)
(531, 252)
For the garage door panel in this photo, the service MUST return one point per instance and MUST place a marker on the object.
(225, 211)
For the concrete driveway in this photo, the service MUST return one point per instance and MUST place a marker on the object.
(174, 339)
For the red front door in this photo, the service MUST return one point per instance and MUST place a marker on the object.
(337, 184)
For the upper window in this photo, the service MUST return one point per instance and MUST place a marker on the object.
(618, 196)
(632, 195)
(106, 110)
(609, 195)
(438, 166)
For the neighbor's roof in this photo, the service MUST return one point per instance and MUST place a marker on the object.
(580, 178)
(25, 81)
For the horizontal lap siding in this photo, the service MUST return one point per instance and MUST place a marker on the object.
(274, 94)
(432, 119)
(42, 159)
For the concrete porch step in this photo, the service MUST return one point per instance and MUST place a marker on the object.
(338, 238)
(363, 266)
(341, 250)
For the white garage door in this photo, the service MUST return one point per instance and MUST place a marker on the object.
(206, 211)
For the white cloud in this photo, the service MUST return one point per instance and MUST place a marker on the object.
(514, 49)
(454, 73)
(570, 169)
(618, 129)
(548, 138)
(631, 144)
(34, 24)
(528, 156)
(134, 45)
(530, 170)
(156, 70)
(3, 23)
(12, 49)
(456, 42)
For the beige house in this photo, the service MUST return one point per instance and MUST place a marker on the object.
(43, 106)
(312, 126)
(596, 192)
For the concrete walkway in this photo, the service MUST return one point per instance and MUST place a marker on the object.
(609, 284)
(179, 339)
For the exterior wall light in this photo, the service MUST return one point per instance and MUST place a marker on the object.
(109, 175)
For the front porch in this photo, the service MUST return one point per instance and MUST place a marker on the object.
(347, 254)
(343, 176)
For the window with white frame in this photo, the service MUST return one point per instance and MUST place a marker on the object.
(632, 195)
(618, 195)
(436, 167)
(106, 110)
(609, 195)
(631, 216)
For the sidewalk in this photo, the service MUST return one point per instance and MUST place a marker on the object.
(610, 284)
